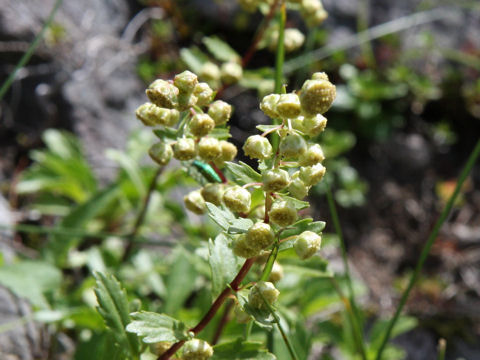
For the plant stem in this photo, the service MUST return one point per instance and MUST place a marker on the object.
(233, 286)
(31, 49)
(141, 215)
(258, 36)
(428, 245)
(357, 328)
(442, 348)
(223, 321)
(248, 330)
(269, 264)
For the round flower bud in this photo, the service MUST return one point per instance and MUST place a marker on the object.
(231, 72)
(160, 347)
(210, 71)
(320, 76)
(186, 101)
(229, 151)
(311, 6)
(237, 199)
(258, 147)
(195, 202)
(312, 156)
(213, 193)
(201, 124)
(161, 153)
(297, 187)
(311, 175)
(269, 105)
(282, 213)
(241, 315)
(173, 118)
(260, 236)
(242, 249)
(307, 244)
(277, 272)
(184, 149)
(197, 349)
(314, 125)
(148, 114)
(297, 123)
(209, 148)
(185, 82)
(288, 105)
(275, 180)
(204, 94)
(317, 96)
(316, 18)
(292, 146)
(220, 112)
(294, 39)
(163, 94)
(261, 292)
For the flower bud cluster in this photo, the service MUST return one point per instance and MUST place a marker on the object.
(228, 73)
(178, 105)
(197, 349)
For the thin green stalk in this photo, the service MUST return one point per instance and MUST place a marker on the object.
(428, 245)
(357, 328)
(269, 264)
(248, 330)
(31, 49)
(442, 348)
(290, 348)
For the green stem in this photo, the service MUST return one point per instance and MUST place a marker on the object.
(442, 348)
(269, 264)
(31, 49)
(248, 330)
(351, 294)
(428, 245)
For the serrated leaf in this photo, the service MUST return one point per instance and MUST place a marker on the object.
(300, 226)
(240, 226)
(154, 327)
(166, 133)
(31, 280)
(223, 263)
(239, 349)
(220, 49)
(242, 173)
(113, 306)
(194, 58)
(222, 217)
(78, 217)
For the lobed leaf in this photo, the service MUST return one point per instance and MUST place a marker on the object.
(154, 327)
(242, 173)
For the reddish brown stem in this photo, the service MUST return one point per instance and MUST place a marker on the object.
(219, 172)
(235, 286)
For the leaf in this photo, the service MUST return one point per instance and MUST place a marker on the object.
(223, 263)
(131, 168)
(154, 327)
(403, 324)
(194, 58)
(264, 128)
(222, 218)
(166, 133)
(222, 133)
(31, 280)
(239, 349)
(313, 267)
(180, 282)
(300, 226)
(59, 245)
(263, 318)
(298, 204)
(239, 226)
(242, 173)
(113, 306)
(220, 49)
(98, 347)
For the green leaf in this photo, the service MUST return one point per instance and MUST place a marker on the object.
(264, 128)
(404, 324)
(113, 306)
(240, 226)
(242, 173)
(31, 280)
(298, 204)
(313, 267)
(166, 133)
(221, 133)
(194, 58)
(222, 218)
(131, 168)
(263, 318)
(223, 263)
(180, 282)
(99, 347)
(239, 349)
(300, 226)
(78, 218)
(154, 327)
(220, 49)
